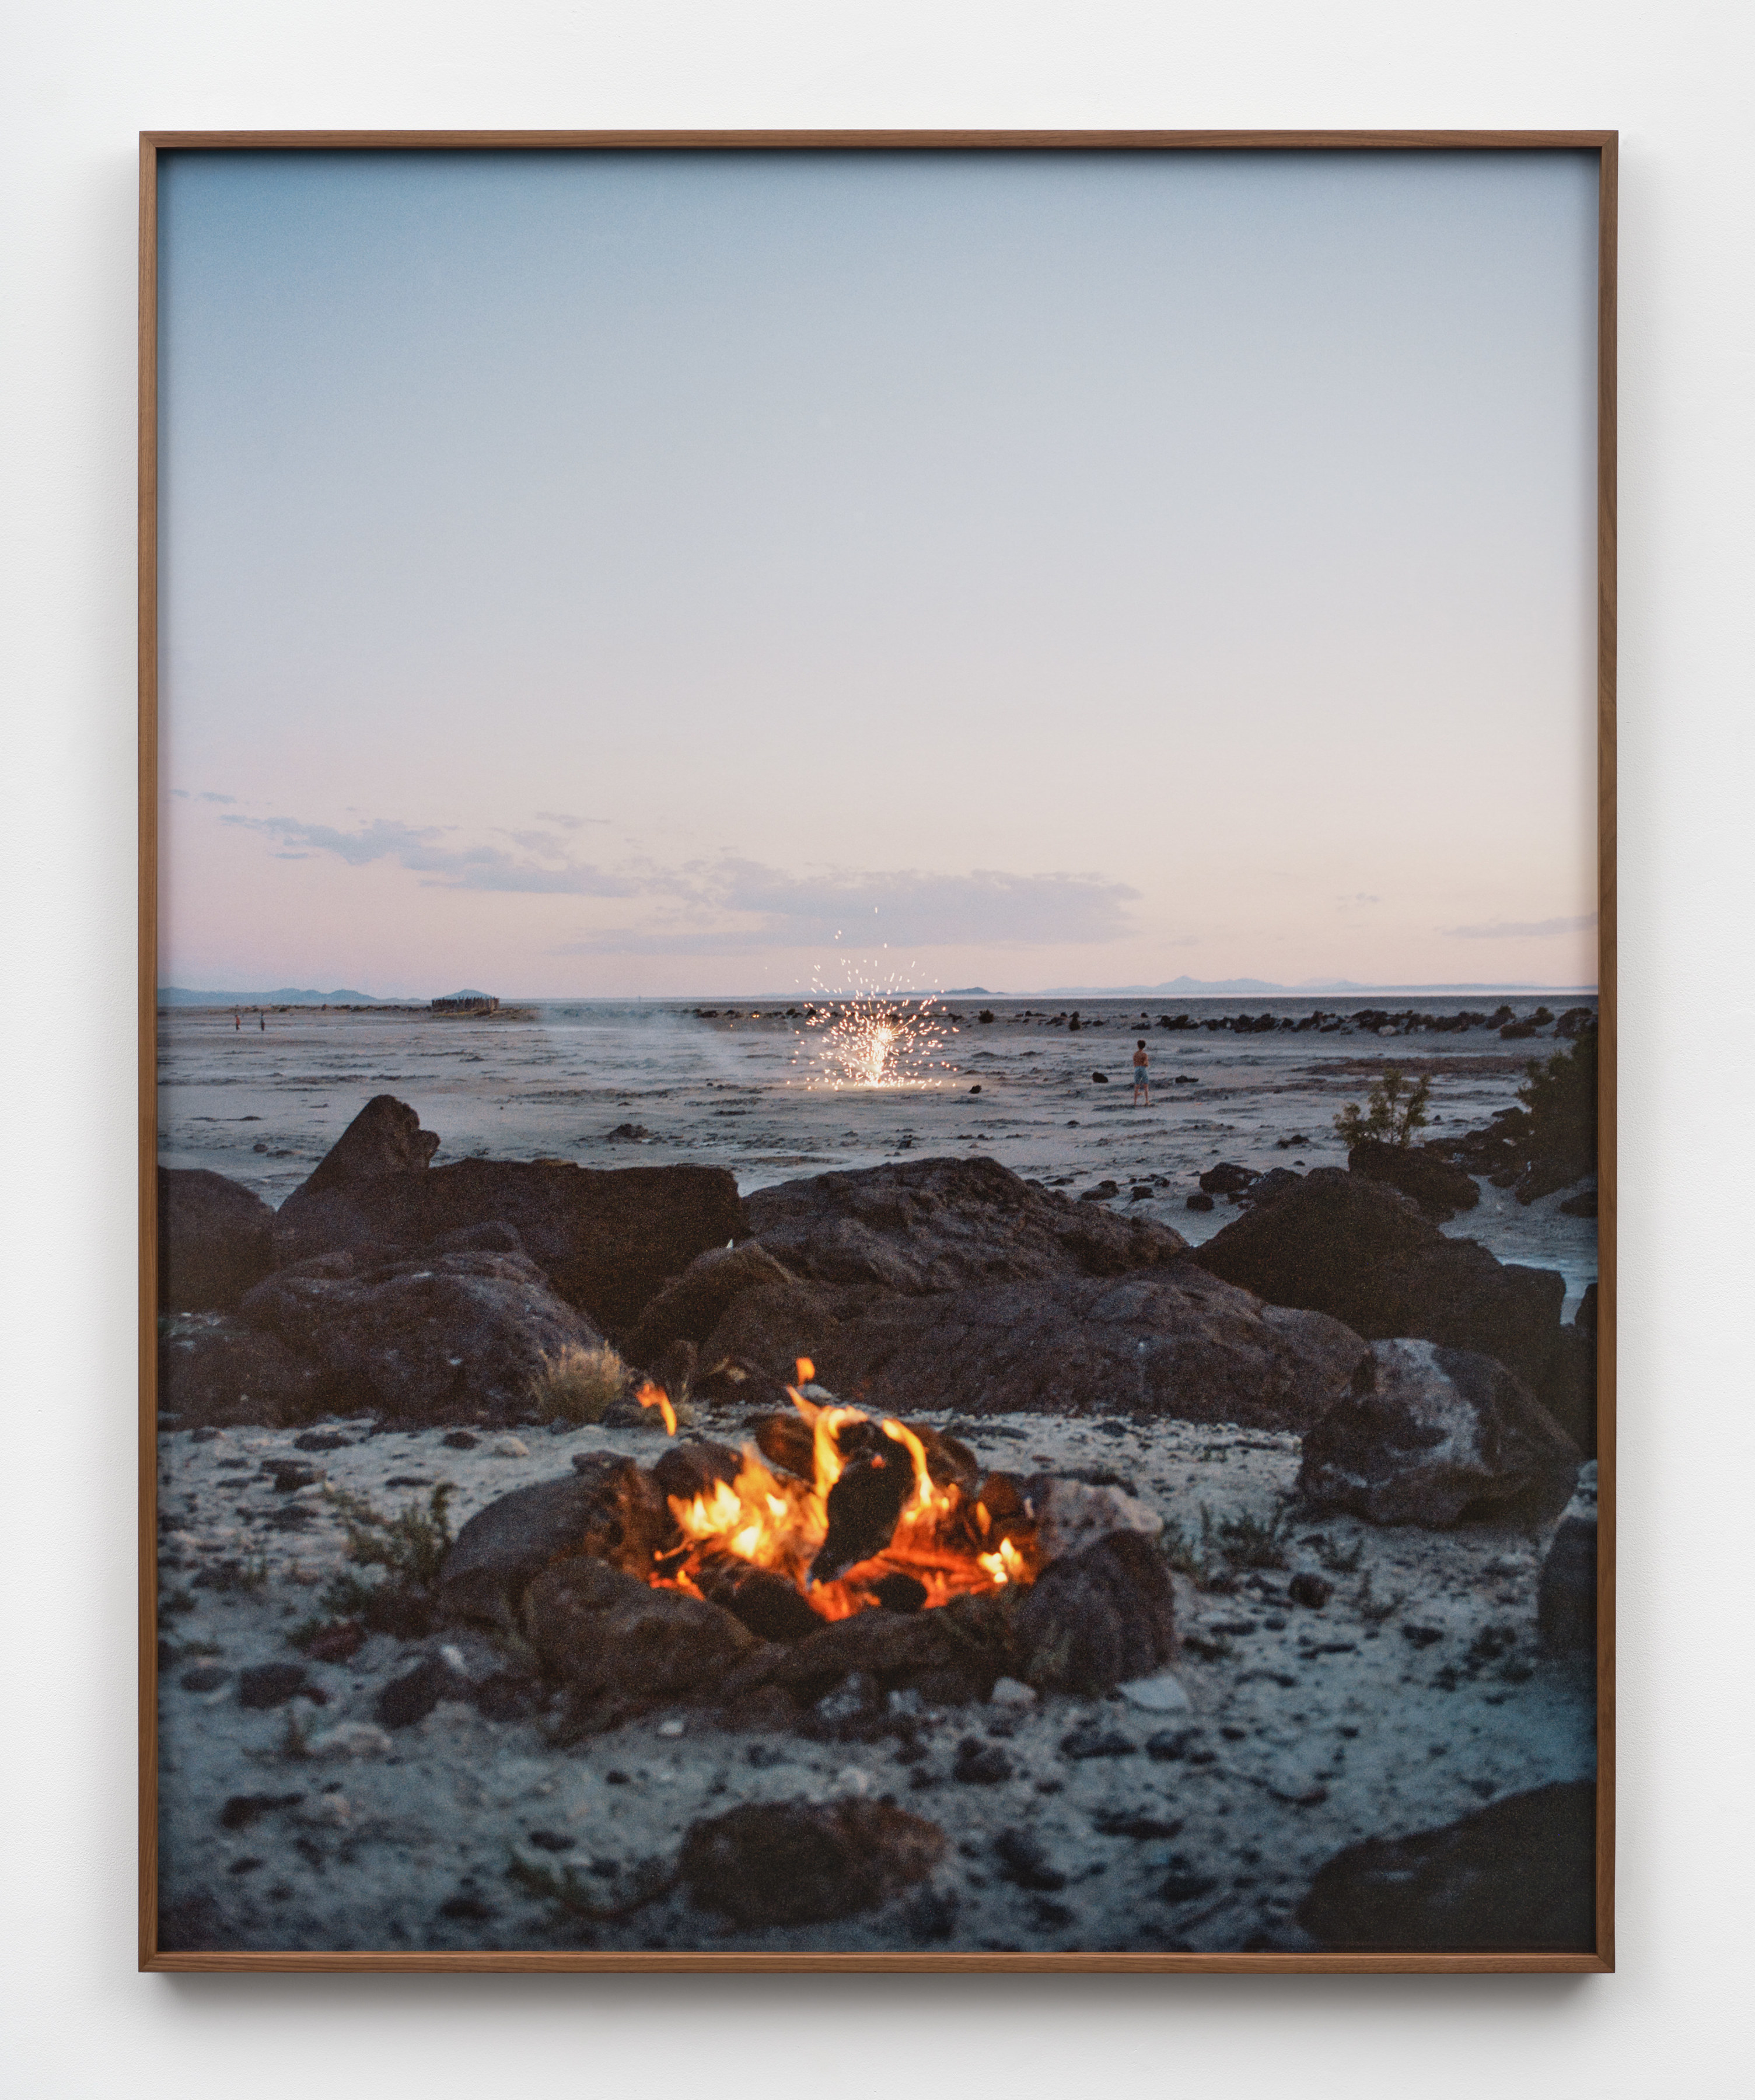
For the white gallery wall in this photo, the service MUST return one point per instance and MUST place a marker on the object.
(78, 81)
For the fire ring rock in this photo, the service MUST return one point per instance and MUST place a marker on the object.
(794, 1862)
(623, 1647)
(1438, 1437)
(1097, 1618)
(608, 1508)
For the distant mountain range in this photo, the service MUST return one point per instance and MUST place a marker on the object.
(1186, 987)
(287, 996)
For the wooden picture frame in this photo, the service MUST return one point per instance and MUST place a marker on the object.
(1601, 146)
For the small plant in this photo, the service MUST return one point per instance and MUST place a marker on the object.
(1396, 1111)
(566, 1894)
(410, 1546)
(578, 1384)
(1246, 1541)
(1560, 1094)
(1373, 1609)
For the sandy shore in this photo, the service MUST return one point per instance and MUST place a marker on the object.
(1414, 1696)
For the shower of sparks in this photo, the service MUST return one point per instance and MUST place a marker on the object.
(874, 1034)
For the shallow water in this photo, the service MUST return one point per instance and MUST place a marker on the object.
(751, 1090)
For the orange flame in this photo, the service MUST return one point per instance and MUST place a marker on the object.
(655, 1395)
(772, 1520)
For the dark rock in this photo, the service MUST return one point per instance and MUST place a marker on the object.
(623, 1647)
(1102, 1193)
(1438, 1437)
(690, 1305)
(1361, 1252)
(1585, 1317)
(1096, 1739)
(429, 1338)
(768, 1327)
(1519, 1876)
(1096, 1618)
(1543, 1176)
(1310, 1590)
(412, 1696)
(508, 1694)
(289, 1476)
(606, 1239)
(1568, 1386)
(384, 1138)
(324, 1440)
(271, 1684)
(767, 1604)
(1184, 1884)
(1169, 1745)
(977, 1764)
(459, 1439)
(1439, 1188)
(1419, 1636)
(1584, 1205)
(339, 1641)
(607, 1507)
(1265, 1187)
(863, 1506)
(1566, 1596)
(788, 1441)
(1099, 1078)
(1138, 1823)
(205, 1677)
(215, 1240)
(1227, 1178)
(218, 1370)
(1172, 1341)
(952, 1654)
(1024, 1863)
(795, 1863)
(901, 1593)
(402, 1610)
(694, 1466)
(929, 1225)
(1201, 1201)
(931, 1916)
(551, 1841)
(241, 1809)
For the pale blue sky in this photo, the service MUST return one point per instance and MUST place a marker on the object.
(595, 574)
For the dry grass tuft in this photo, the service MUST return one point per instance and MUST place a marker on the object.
(578, 1384)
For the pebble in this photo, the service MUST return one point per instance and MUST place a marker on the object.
(1161, 1694)
(207, 1677)
(352, 1739)
(1009, 1692)
(459, 1439)
(271, 1685)
(509, 1447)
(334, 1808)
(672, 1728)
(1092, 1738)
(980, 1764)
(1313, 1591)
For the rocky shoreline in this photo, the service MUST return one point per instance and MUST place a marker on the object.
(1348, 1452)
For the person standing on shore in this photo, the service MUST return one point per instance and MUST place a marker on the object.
(262, 1023)
(1142, 1086)
(237, 1021)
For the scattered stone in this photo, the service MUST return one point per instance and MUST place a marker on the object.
(509, 1447)
(1439, 1188)
(1313, 1591)
(1516, 1877)
(339, 1641)
(412, 1696)
(1420, 1636)
(1097, 1739)
(609, 1507)
(1227, 1178)
(1201, 1201)
(1138, 1823)
(241, 1809)
(1183, 1884)
(1024, 1863)
(1009, 1692)
(1566, 1596)
(271, 1684)
(321, 1439)
(352, 1739)
(205, 1677)
(459, 1439)
(1162, 1693)
(980, 1764)
(623, 1647)
(794, 1862)
(1169, 1745)
(1437, 1437)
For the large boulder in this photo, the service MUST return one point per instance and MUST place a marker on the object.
(690, 1305)
(384, 1138)
(1517, 1878)
(1566, 1596)
(1438, 1437)
(609, 1507)
(606, 1239)
(1439, 1188)
(453, 1336)
(931, 1225)
(1361, 1252)
(215, 1240)
(216, 1369)
(1169, 1340)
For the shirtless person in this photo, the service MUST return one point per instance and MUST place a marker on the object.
(1142, 1089)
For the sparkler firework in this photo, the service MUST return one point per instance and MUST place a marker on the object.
(874, 1034)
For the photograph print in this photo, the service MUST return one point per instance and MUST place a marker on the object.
(872, 1062)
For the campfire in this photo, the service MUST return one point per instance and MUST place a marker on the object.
(853, 1513)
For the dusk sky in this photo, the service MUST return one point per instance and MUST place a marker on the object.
(598, 575)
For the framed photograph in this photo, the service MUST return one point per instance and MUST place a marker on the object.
(878, 1050)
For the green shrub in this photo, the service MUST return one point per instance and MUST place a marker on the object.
(1396, 1111)
(1561, 1096)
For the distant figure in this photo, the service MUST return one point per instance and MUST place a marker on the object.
(262, 1023)
(1142, 1089)
(237, 1021)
